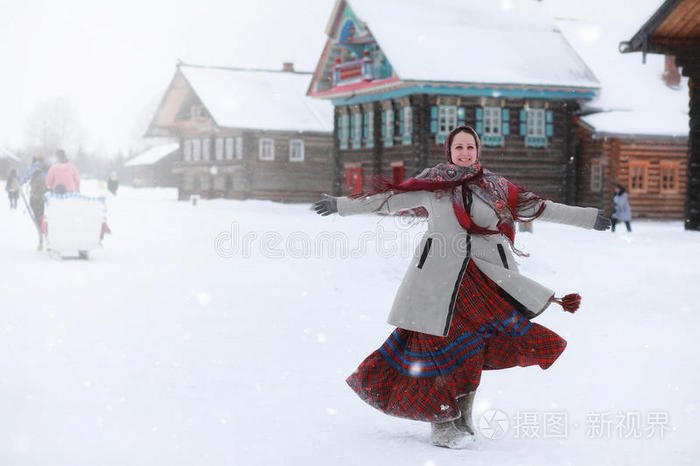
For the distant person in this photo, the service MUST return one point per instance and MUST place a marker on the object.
(12, 187)
(63, 177)
(622, 213)
(36, 176)
(113, 183)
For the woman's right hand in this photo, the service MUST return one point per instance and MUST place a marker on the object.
(326, 206)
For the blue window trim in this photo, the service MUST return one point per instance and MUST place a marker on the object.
(407, 136)
(498, 92)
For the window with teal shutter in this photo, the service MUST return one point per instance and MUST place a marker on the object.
(536, 128)
(383, 125)
(523, 122)
(433, 119)
(479, 120)
(351, 131)
(550, 123)
(365, 126)
(390, 127)
(505, 115)
(369, 118)
(460, 116)
(407, 125)
(343, 131)
(401, 128)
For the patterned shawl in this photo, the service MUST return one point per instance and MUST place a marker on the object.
(506, 199)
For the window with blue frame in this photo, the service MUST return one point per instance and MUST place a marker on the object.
(406, 125)
(357, 130)
(369, 129)
(446, 122)
(537, 125)
(343, 130)
(492, 121)
(388, 127)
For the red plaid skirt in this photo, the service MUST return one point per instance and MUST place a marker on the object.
(419, 376)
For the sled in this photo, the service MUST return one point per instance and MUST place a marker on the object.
(73, 224)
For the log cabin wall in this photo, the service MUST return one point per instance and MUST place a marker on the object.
(284, 179)
(244, 173)
(654, 171)
(545, 170)
(595, 169)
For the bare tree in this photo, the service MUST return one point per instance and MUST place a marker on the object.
(52, 125)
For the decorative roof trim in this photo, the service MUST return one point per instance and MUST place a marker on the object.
(533, 92)
(640, 41)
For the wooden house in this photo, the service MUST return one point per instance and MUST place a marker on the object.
(401, 75)
(154, 166)
(674, 29)
(634, 132)
(653, 169)
(246, 134)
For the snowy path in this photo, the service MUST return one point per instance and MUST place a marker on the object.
(165, 349)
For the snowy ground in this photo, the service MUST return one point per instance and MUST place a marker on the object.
(170, 347)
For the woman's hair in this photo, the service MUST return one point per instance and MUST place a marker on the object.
(620, 187)
(61, 156)
(455, 132)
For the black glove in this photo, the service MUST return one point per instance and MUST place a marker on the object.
(326, 206)
(602, 223)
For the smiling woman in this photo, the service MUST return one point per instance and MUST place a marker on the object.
(463, 307)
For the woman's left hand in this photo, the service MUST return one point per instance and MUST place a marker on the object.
(326, 206)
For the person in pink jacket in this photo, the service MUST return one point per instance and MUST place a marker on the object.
(63, 177)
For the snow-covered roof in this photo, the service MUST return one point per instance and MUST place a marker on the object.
(633, 95)
(639, 122)
(5, 153)
(473, 41)
(259, 99)
(153, 155)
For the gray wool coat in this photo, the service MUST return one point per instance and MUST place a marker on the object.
(426, 297)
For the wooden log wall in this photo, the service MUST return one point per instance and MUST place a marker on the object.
(544, 170)
(594, 151)
(283, 180)
(249, 177)
(653, 201)
(615, 154)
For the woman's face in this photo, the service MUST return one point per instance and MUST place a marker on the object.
(463, 149)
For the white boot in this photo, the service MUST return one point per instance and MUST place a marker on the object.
(458, 433)
(464, 423)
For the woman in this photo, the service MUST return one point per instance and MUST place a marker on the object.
(462, 306)
(63, 177)
(12, 187)
(622, 213)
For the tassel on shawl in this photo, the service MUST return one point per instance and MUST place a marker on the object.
(570, 302)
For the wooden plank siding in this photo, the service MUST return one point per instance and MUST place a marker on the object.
(289, 181)
(652, 201)
(249, 177)
(544, 170)
(616, 154)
